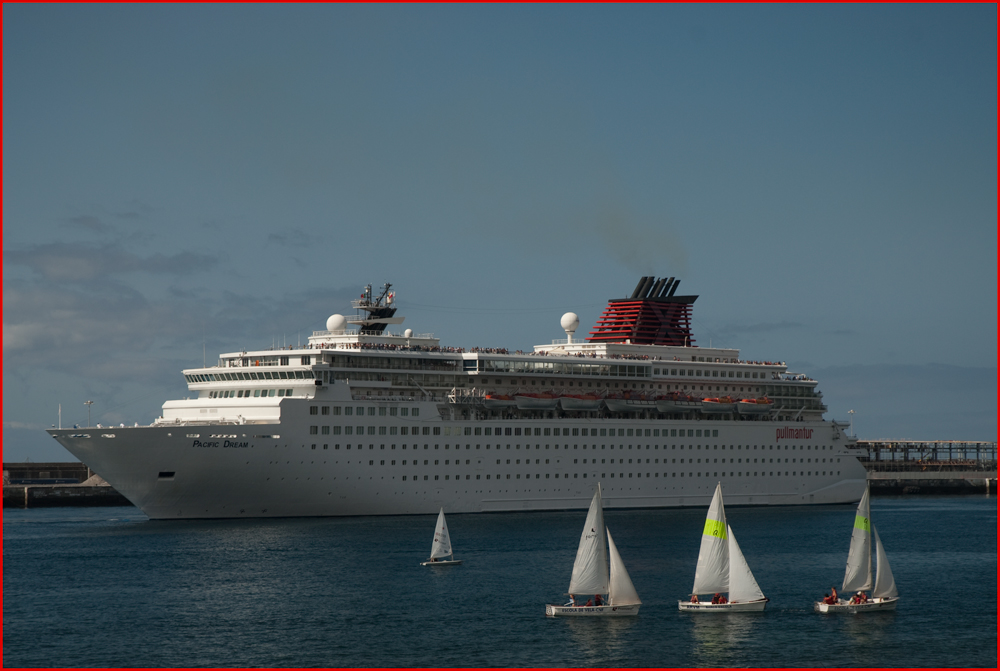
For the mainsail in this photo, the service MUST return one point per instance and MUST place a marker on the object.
(858, 576)
(742, 585)
(590, 570)
(621, 592)
(712, 574)
(885, 584)
(441, 547)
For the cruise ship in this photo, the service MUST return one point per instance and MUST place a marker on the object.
(364, 421)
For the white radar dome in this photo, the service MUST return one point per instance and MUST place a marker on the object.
(408, 333)
(569, 322)
(336, 323)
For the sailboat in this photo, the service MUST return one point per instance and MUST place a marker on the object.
(722, 567)
(858, 576)
(591, 575)
(441, 546)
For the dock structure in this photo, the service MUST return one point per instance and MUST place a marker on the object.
(929, 466)
(43, 485)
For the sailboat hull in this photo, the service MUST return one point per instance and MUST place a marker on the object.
(591, 611)
(740, 606)
(443, 562)
(873, 605)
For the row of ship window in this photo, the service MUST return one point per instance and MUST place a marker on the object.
(527, 462)
(245, 393)
(360, 410)
(704, 373)
(506, 431)
(262, 375)
(538, 476)
(690, 460)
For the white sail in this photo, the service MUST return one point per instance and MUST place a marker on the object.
(441, 547)
(712, 574)
(590, 570)
(885, 584)
(742, 585)
(621, 591)
(858, 576)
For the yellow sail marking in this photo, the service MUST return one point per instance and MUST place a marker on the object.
(715, 528)
(863, 523)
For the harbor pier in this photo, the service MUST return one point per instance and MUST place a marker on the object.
(42, 485)
(929, 467)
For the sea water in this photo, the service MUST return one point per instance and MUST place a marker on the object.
(108, 587)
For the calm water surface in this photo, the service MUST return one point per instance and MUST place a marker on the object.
(107, 587)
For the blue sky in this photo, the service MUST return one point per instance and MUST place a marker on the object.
(227, 176)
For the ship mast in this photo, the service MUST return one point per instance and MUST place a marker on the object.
(380, 311)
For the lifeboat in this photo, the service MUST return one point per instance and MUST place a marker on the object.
(536, 401)
(755, 406)
(629, 403)
(499, 401)
(717, 405)
(678, 402)
(577, 402)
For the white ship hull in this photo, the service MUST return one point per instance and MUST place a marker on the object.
(845, 607)
(738, 607)
(591, 611)
(169, 474)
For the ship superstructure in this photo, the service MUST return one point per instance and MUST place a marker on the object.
(365, 421)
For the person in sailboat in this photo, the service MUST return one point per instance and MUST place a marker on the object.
(597, 600)
(694, 598)
(572, 601)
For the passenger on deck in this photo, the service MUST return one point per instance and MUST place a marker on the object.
(590, 602)
(694, 598)
(597, 600)
(723, 599)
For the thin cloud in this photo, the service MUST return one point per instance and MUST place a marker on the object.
(292, 238)
(771, 327)
(88, 222)
(61, 262)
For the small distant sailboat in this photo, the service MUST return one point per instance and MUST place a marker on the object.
(441, 547)
(592, 577)
(722, 568)
(858, 576)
